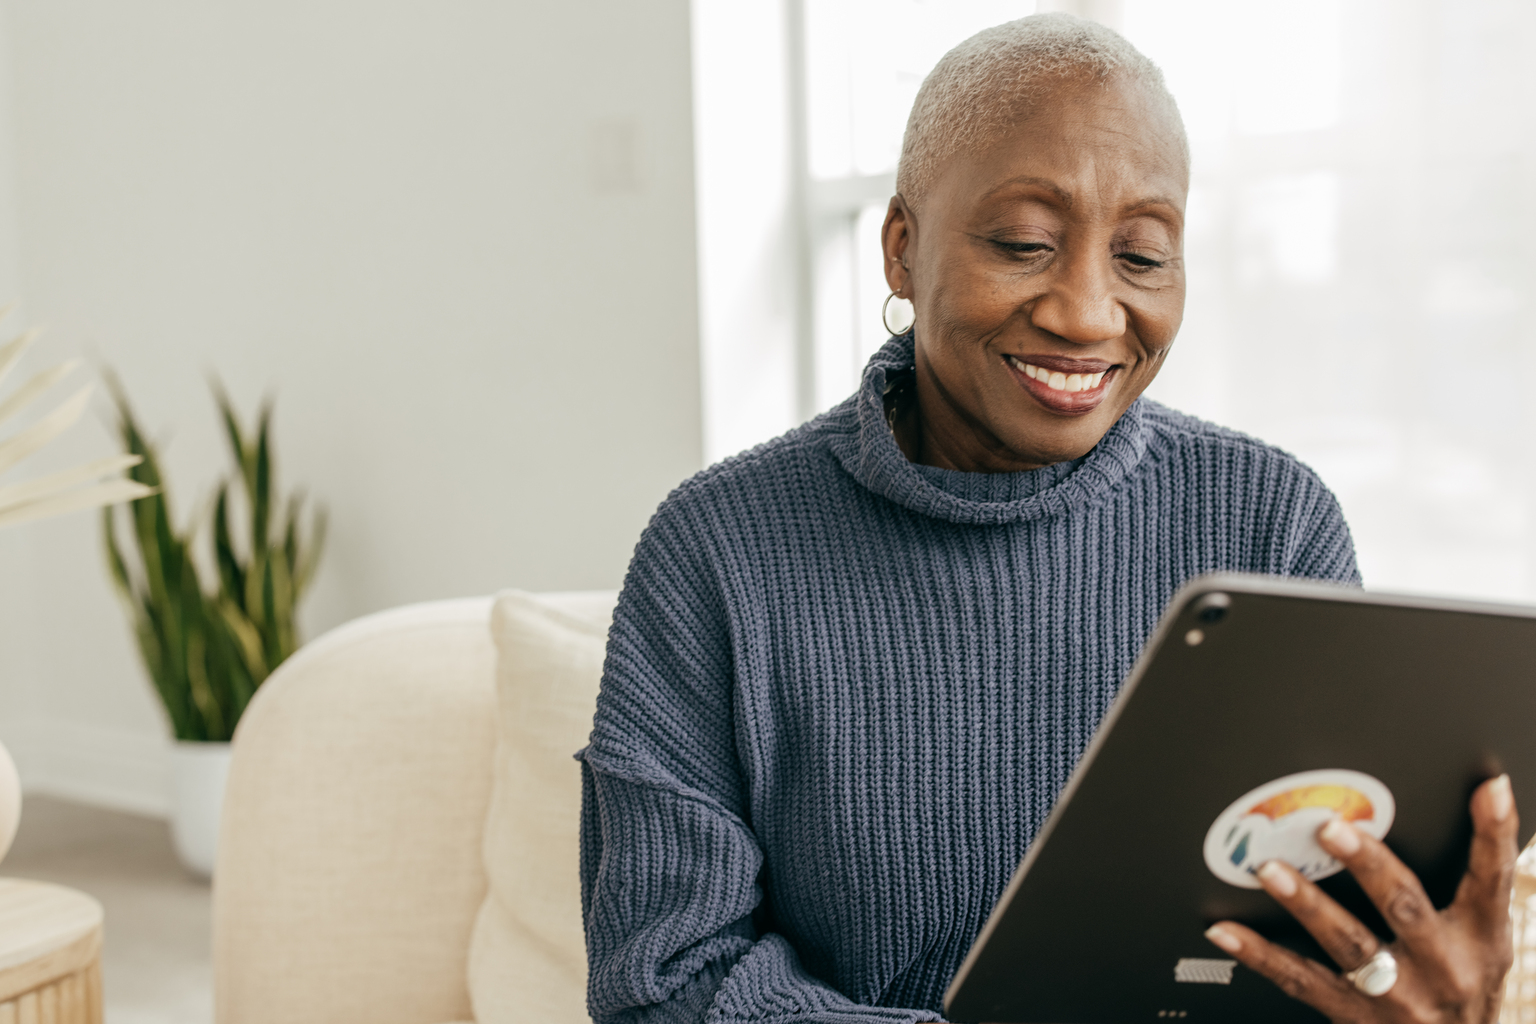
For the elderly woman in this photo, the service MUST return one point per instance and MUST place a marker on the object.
(851, 669)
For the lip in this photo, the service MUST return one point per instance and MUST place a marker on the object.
(1065, 403)
(1062, 364)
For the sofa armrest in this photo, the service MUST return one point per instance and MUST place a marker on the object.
(349, 866)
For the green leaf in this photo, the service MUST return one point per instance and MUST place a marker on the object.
(280, 608)
(290, 544)
(231, 576)
(245, 637)
(202, 691)
(261, 491)
(231, 425)
(174, 693)
(115, 561)
(251, 599)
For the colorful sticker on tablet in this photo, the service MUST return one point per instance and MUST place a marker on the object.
(1280, 819)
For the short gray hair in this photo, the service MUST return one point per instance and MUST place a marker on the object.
(976, 90)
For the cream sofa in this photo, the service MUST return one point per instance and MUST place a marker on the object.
(379, 772)
(374, 778)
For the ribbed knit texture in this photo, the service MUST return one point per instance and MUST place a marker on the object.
(842, 692)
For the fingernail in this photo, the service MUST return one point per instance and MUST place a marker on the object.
(1340, 837)
(1277, 880)
(1223, 938)
(1503, 798)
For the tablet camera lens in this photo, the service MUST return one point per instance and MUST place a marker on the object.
(1212, 608)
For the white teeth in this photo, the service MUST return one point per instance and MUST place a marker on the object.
(1059, 381)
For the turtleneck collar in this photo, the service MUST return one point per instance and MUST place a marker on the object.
(862, 441)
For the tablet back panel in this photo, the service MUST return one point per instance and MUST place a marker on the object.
(1429, 697)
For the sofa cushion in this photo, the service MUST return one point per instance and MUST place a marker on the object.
(527, 956)
(349, 862)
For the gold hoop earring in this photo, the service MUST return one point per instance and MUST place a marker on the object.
(887, 324)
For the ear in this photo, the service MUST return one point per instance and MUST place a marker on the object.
(896, 238)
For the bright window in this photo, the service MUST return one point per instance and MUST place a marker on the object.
(1359, 293)
(864, 60)
(1360, 277)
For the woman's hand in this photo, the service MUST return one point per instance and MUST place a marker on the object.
(1451, 964)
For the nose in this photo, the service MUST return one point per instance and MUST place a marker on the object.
(1080, 305)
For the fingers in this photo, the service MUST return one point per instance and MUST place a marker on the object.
(1396, 892)
(1485, 890)
(1298, 977)
(1390, 885)
(1341, 935)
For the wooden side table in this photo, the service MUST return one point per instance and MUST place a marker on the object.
(50, 954)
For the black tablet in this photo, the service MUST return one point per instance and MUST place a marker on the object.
(1260, 708)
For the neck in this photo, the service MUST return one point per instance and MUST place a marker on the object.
(932, 429)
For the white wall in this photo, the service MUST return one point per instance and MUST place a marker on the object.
(748, 220)
(455, 239)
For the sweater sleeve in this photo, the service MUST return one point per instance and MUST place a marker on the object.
(1319, 545)
(670, 867)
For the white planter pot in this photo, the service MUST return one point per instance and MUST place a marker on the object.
(198, 771)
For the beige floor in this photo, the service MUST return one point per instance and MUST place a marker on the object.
(156, 967)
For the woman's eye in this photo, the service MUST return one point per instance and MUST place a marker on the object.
(1025, 248)
(1138, 261)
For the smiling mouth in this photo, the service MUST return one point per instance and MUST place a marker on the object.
(1069, 386)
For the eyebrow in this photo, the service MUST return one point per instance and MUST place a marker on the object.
(1159, 207)
(1152, 206)
(1142, 204)
(1062, 195)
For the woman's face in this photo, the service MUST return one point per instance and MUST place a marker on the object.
(1047, 277)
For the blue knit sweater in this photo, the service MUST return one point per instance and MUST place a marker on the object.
(842, 692)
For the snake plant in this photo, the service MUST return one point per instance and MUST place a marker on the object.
(208, 648)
